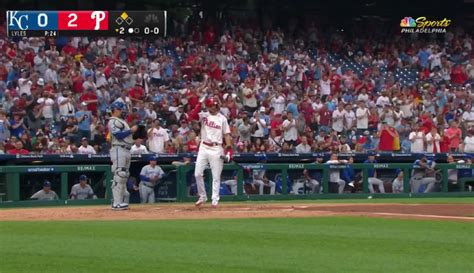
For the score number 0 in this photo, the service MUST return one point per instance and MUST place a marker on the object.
(155, 30)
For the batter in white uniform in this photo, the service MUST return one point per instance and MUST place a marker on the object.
(214, 128)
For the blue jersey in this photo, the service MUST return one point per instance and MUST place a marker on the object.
(429, 163)
(370, 172)
(84, 124)
(348, 174)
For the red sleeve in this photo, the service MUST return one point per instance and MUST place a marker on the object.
(194, 114)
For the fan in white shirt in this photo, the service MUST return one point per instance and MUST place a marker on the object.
(469, 142)
(289, 126)
(468, 118)
(25, 86)
(261, 124)
(278, 103)
(417, 139)
(157, 138)
(349, 118)
(303, 147)
(363, 96)
(138, 147)
(383, 100)
(362, 115)
(47, 104)
(100, 79)
(338, 118)
(85, 148)
(50, 75)
(432, 141)
(66, 104)
(325, 84)
(155, 70)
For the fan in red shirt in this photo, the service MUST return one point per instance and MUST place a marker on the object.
(90, 98)
(215, 72)
(444, 143)
(275, 124)
(69, 49)
(49, 87)
(209, 36)
(325, 117)
(77, 81)
(192, 144)
(18, 150)
(132, 53)
(426, 123)
(11, 51)
(387, 136)
(306, 109)
(136, 93)
(458, 75)
(3, 72)
(30, 56)
(133, 117)
(335, 82)
(193, 98)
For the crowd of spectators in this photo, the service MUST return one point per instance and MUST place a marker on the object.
(324, 91)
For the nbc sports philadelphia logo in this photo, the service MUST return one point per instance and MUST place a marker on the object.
(424, 25)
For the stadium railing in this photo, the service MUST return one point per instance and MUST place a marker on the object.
(178, 182)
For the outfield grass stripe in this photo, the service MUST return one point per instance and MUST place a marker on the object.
(328, 244)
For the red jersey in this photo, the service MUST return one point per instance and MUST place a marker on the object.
(18, 152)
(324, 117)
(215, 72)
(336, 82)
(77, 82)
(444, 144)
(458, 76)
(132, 54)
(193, 101)
(192, 146)
(89, 96)
(275, 124)
(137, 93)
(386, 140)
(209, 37)
(69, 50)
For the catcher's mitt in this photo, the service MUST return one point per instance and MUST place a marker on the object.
(140, 132)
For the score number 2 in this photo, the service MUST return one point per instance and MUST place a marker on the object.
(83, 20)
(73, 17)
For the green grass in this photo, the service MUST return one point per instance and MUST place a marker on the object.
(375, 200)
(336, 244)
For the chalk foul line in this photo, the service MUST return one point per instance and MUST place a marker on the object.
(424, 216)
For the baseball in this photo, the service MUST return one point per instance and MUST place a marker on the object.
(369, 197)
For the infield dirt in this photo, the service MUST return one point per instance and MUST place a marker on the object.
(445, 212)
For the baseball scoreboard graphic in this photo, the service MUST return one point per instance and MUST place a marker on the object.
(85, 23)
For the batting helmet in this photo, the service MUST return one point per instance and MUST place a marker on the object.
(210, 102)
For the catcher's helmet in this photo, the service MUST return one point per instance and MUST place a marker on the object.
(117, 105)
(210, 102)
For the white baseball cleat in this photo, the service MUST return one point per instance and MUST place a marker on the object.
(214, 204)
(120, 207)
(200, 201)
